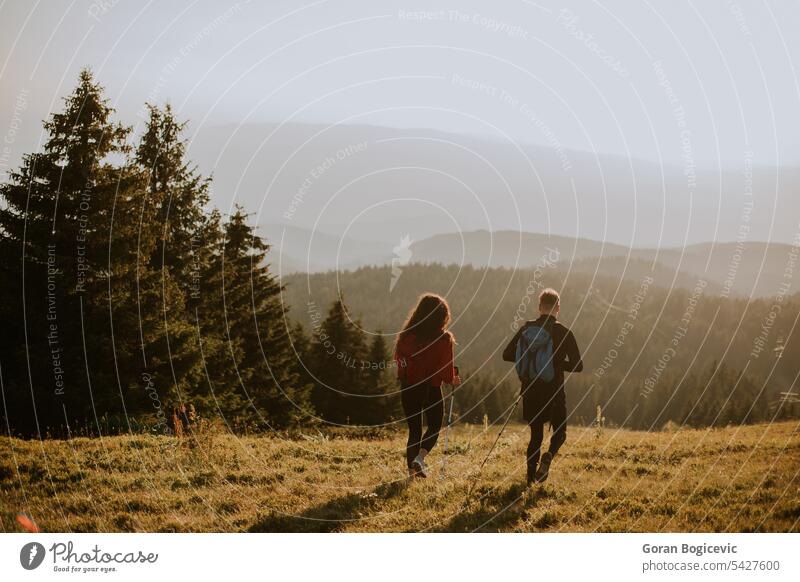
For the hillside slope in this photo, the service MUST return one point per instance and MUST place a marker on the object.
(732, 479)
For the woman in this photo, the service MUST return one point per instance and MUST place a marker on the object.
(424, 357)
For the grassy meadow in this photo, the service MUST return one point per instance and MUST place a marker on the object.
(729, 479)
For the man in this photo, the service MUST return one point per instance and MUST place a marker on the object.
(544, 401)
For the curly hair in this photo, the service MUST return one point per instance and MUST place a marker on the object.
(428, 319)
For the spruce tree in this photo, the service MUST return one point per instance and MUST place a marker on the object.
(337, 355)
(252, 367)
(179, 195)
(54, 220)
(94, 331)
(377, 405)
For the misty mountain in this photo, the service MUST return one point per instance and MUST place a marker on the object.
(372, 186)
(736, 269)
(744, 269)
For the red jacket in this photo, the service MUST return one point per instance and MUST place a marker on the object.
(425, 361)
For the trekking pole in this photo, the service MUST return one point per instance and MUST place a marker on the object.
(494, 444)
(447, 430)
(449, 420)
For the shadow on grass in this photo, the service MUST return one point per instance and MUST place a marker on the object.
(495, 509)
(332, 515)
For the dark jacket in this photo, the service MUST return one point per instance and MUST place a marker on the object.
(540, 396)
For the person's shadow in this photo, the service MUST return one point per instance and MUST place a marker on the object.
(494, 509)
(490, 510)
(332, 515)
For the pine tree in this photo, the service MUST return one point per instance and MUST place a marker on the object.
(89, 309)
(252, 367)
(179, 195)
(376, 406)
(301, 346)
(54, 223)
(337, 355)
(377, 359)
(98, 331)
(127, 293)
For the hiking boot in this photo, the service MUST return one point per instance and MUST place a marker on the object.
(419, 467)
(544, 467)
(530, 479)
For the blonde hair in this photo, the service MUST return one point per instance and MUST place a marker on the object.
(549, 298)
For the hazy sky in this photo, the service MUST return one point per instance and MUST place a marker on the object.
(647, 79)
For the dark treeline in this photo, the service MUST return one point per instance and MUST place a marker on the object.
(125, 293)
(653, 354)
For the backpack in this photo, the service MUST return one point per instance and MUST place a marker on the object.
(534, 359)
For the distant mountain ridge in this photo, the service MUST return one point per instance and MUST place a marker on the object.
(737, 269)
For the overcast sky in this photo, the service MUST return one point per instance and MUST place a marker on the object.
(645, 79)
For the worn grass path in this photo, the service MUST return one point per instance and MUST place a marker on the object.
(731, 479)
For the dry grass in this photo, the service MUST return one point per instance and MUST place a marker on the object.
(733, 479)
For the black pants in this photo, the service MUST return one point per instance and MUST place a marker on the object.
(554, 412)
(419, 400)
